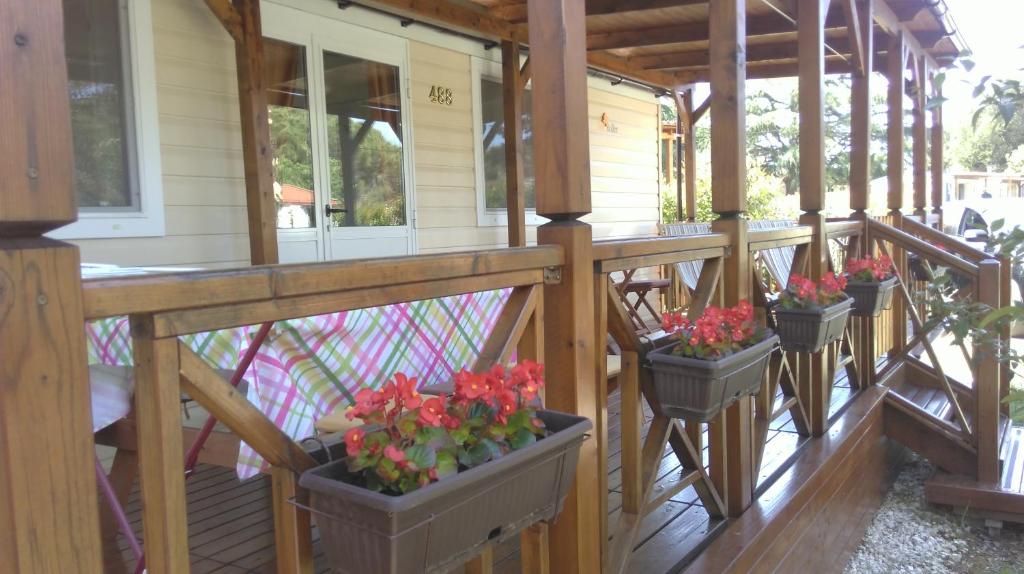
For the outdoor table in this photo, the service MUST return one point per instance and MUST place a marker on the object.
(310, 366)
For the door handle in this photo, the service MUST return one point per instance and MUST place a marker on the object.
(328, 210)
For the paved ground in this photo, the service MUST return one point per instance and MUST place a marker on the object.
(909, 536)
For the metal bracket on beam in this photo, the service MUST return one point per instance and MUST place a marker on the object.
(552, 275)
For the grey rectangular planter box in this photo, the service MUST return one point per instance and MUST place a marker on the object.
(446, 522)
(870, 298)
(809, 330)
(698, 388)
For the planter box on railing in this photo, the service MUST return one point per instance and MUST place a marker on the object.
(809, 330)
(698, 388)
(870, 299)
(449, 521)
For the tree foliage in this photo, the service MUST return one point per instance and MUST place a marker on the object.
(378, 177)
(996, 130)
(989, 142)
(773, 133)
(763, 192)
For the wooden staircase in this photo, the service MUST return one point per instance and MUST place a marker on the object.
(920, 415)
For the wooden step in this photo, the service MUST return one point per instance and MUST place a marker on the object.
(929, 399)
(914, 417)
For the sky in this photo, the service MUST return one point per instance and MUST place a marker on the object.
(994, 32)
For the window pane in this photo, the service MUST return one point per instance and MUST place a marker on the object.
(364, 137)
(101, 117)
(284, 67)
(494, 146)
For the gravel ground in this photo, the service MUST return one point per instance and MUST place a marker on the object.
(909, 536)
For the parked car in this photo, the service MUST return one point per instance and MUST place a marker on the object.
(973, 224)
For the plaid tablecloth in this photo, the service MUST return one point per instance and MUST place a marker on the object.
(309, 367)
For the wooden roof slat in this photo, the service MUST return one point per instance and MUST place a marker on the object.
(698, 58)
(626, 33)
(768, 69)
(765, 25)
(604, 7)
(516, 13)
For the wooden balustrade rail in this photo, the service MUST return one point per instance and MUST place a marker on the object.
(981, 399)
(878, 230)
(193, 290)
(950, 244)
(163, 307)
(641, 457)
(974, 255)
(770, 238)
(622, 254)
(844, 228)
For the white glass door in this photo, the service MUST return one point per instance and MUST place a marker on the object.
(355, 137)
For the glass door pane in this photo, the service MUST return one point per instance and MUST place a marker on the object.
(284, 67)
(364, 142)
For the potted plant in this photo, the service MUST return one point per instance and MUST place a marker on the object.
(870, 282)
(428, 481)
(717, 359)
(809, 316)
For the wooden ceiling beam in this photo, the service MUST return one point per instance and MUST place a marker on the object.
(625, 68)
(516, 13)
(766, 25)
(890, 22)
(907, 12)
(228, 16)
(449, 14)
(759, 53)
(857, 39)
(605, 7)
(760, 70)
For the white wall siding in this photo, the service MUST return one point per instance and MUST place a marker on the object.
(201, 152)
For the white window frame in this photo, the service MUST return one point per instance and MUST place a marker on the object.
(494, 217)
(148, 220)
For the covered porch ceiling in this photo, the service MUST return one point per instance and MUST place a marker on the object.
(664, 43)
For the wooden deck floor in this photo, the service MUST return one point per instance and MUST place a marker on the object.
(231, 523)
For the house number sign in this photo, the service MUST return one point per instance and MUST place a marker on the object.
(441, 95)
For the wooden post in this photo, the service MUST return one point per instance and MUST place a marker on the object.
(256, 150)
(895, 66)
(860, 116)
(937, 158)
(987, 385)
(558, 64)
(161, 466)
(894, 72)
(533, 549)
(920, 141)
(732, 434)
(241, 19)
(482, 563)
(48, 498)
(292, 525)
(690, 156)
(512, 98)
(863, 330)
(682, 119)
(814, 381)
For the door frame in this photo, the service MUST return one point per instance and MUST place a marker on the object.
(317, 33)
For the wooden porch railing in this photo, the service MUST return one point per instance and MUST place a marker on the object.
(162, 308)
(975, 404)
(641, 457)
